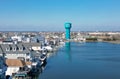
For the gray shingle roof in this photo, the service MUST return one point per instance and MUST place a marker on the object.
(14, 49)
(17, 48)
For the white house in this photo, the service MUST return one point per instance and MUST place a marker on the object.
(19, 38)
(16, 51)
(14, 65)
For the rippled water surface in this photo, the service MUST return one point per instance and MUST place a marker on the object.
(84, 61)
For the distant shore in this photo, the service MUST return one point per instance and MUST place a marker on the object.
(114, 42)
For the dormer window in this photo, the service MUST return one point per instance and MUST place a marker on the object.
(21, 49)
(10, 48)
(14, 49)
(7, 49)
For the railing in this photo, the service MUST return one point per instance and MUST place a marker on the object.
(21, 75)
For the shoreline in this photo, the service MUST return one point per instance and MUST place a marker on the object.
(113, 42)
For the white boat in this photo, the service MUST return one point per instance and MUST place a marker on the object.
(49, 48)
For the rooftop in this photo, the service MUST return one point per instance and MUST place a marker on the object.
(15, 62)
(18, 48)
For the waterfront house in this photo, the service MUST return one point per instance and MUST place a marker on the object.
(16, 51)
(14, 66)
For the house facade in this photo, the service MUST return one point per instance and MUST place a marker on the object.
(15, 51)
(14, 65)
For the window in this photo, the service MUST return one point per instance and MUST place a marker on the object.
(21, 49)
(14, 49)
(7, 49)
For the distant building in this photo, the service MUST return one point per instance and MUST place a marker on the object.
(19, 38)
(7, 41)
(26, 40)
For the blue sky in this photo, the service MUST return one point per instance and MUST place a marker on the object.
(50, 15)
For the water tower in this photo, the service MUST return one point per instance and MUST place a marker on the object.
(67, 27)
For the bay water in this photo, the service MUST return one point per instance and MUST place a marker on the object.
(93, 60)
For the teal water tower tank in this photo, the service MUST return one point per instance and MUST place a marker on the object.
(67, 27)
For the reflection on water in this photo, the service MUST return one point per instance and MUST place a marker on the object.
(67, 50)
(43, 66)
